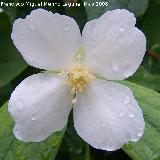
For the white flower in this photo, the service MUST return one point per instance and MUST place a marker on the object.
(106, 115)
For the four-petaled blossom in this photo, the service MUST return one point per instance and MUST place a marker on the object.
(105, 113)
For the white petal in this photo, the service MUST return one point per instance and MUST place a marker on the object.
(40, 105)
(114, 46)
(107, 116)
(47, 40)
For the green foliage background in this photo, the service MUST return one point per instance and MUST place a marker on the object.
(145, 84)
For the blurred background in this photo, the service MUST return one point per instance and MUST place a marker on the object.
(13, 69)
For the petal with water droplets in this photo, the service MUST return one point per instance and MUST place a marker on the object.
(107, 123)
(46, 40)
(40, 105)
(114, 46)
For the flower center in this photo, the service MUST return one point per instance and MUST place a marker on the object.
(78, 78)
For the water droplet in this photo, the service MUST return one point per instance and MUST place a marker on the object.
(66, 28)
(122, 29)
(128, 146)
(126, 100)
(113, 117)
(32, 89)
(103, 125)
(16, 131)
(131, 115)
(127, 72)
(120, 40)
(116, 47)
(32, 28)
(139, 134)
(140, 129)
(55, 141)
(107, 109)
(23, 36)
(121, 114)
(23, 158)
(19, 105)
(110, 98)
(33, 118)
(19, 89)
(115, 67)
(46, 154)
(18, 152)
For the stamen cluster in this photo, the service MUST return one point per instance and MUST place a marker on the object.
(78, 78)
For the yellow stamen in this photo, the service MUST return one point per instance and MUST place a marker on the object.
(62, 73)
(74, 100)
(80, 53)
(78, 78)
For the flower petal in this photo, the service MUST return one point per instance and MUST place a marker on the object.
(40, 105)
(107, 116)
(45, 39)
(114, 46)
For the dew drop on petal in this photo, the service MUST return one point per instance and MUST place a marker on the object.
(134, 139)
(127, 72)
(110, 98)
(66, 28)
(126, 100)
(15, 130)
(32, 28)
(113, 117)
(131, 115)
(120, 114)
(120, 40)
(19, 89)
(116, 47)
(139, 134)
(107, 109)
(32, 88)
(103, 125)
(23, 36)
(33, 118)
(122, 29)
(18, 152)
(19, 105)
(140, 129)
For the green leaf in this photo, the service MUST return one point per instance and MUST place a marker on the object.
(135, 6)
(9, 70)
(11, 11)
(11, 62)
(146, 79)
(13, 149)
(73, 146)
(5, 93)
(151, 23)
(148, 147)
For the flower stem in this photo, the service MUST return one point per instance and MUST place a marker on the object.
(87, 152)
